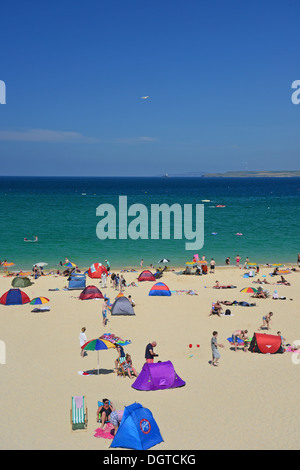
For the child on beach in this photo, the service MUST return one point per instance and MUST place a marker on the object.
(82, 340)
(266, 321)
(127, 366)
(214, 348)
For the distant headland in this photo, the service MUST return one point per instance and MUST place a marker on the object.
(250, 174)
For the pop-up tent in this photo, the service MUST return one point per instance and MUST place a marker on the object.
(21, 282)
(77, 281)
(14, 297)
(122, 306)
(91, 292)
(138, 429)
(160, 289)
(95, 271)
(146, 276)
(266, 344)
(157, 376)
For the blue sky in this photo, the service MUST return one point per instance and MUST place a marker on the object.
(218, 74)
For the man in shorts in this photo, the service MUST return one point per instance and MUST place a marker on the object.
(149, 353)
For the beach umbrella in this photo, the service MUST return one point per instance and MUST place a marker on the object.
(40, 264)
(249, 290)
(164, 260)
(70, 265)
(39, 301)
(98, 345)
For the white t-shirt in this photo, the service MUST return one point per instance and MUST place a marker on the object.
(82, 338)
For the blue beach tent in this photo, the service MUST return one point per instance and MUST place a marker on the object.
(160, 289)
(77, 281)
(138, 429)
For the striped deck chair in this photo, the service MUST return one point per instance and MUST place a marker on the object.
(79, 413)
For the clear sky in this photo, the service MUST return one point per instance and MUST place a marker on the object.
(218, 74)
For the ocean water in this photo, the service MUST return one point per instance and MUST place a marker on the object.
(62, 213)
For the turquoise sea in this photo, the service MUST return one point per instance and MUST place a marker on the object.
(62, 213)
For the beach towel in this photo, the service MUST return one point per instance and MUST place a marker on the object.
(79, 401)
(106, 432)
(289, 349)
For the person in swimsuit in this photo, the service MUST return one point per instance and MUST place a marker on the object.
(121, 357)
(266, 321)
(104, 411)
(104, 312)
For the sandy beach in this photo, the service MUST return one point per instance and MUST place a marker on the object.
(250, 401)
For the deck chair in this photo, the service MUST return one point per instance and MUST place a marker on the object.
(120, 370)
(79, 413)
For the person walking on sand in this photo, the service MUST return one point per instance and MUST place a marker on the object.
(82, 340)
(266, 321)
(104, 311)
(214, 349)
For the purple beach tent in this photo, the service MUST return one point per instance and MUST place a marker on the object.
(157, 376)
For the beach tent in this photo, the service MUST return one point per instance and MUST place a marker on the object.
(266, 344)
(14, 297)
(95, 271)
(146, 276)
(160, 289)
(77, 281)
(91, 292)
(138, 429)
(157, 376)
(21, 282)
(122, 306)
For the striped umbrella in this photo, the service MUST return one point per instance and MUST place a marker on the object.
(97, 345)
(39, 301)
(69, 265)
(249, 290)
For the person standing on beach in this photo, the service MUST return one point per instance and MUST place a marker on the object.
(149, 353)
(141, 264)
(238, 259)
(266, 321)
(82, 340)
(107, 265)
(103, 279)
(214, 349)
(212, 265)
(104, 311)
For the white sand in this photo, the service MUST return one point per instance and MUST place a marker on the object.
(249, 402)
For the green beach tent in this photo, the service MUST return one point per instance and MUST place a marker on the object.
(21, 282)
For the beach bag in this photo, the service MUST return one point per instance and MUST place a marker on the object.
(227, 312)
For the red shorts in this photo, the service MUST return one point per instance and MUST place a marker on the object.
(150, 361)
